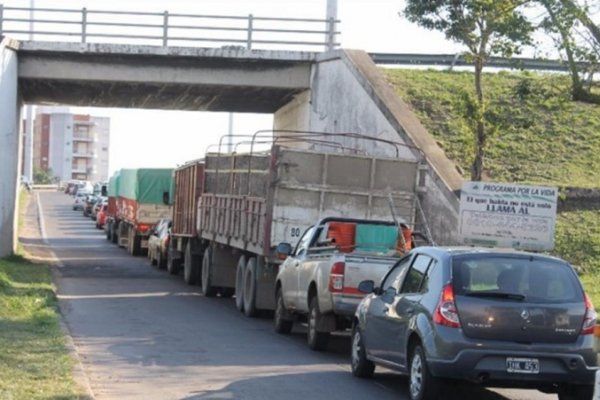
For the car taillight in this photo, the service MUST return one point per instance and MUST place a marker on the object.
(446, 313)
(336, 277)
(590, 317)
(143, 227)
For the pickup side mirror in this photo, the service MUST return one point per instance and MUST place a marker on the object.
(366, 287)
(283, 250)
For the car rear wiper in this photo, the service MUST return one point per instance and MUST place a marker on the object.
(499, 295)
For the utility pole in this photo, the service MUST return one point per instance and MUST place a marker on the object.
(331, 28)
(28, 161)
(230, 134)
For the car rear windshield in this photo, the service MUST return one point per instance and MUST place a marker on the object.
(533, 279)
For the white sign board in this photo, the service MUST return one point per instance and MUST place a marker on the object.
(507, 215)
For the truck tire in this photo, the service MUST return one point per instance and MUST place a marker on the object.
(191, 267)
(250, 288)
(107, 230)
(282, 320)
(206, 277)
(134, 243)
(113, 233)
(239, 283)
(316, 340)
(173, 264)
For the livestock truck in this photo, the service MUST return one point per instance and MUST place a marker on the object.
(137, 199)
(232, 210)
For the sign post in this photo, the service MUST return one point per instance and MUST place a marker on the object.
(508, 215)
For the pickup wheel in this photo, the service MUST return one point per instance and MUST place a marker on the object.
(240, 271)
(361, 366)
(191, 269)
(316, 340)
(173, 265)
(206, 276)
(250, 288)
(283, 322)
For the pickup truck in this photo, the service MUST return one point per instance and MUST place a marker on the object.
(319, 279)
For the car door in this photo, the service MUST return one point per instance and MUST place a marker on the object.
(377, 314)
(407, 306)
(289, 270)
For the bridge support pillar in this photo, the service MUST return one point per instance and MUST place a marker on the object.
(10, 147)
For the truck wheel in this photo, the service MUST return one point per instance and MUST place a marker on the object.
(173, 265)
(134, 243)
(113, 233)
(250, 288)
(316, 340)
(191, 269)
(206, 276)
(421, 384)
(283, 322)
(107, 230)
(361, 366)
(239, 283)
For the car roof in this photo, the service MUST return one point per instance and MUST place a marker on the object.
(451, 251)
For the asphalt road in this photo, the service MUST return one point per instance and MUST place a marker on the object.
(143, 334)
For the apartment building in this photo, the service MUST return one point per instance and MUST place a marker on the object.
(73, 146)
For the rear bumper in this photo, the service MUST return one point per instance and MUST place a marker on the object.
(490, 368)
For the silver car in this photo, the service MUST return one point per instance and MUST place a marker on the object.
(498, 318)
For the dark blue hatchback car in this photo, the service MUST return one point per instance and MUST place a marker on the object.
(498, 318)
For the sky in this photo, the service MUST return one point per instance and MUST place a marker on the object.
(170, 138)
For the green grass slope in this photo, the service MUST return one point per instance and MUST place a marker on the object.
(537, 136)
(34, 362)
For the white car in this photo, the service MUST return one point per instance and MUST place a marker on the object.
(79, 201)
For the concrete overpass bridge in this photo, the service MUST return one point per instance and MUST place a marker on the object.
(335, 91)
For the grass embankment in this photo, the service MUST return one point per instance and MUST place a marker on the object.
(34, 362)
(537, 136)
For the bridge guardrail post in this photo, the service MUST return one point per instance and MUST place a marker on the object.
(165, 28)
(250, 27)
(330, 34)
(83, 24)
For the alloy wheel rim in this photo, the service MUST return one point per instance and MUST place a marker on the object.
(416, 376)
(356, 349)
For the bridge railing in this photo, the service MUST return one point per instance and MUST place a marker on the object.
(168, 29)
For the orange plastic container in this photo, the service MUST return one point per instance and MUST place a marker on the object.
(407, 234)
(342, 235)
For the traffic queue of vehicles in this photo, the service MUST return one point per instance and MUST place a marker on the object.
(318, 237)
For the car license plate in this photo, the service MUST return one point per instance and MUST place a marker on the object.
(523, 365)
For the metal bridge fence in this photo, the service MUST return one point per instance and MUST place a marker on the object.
(168, 29)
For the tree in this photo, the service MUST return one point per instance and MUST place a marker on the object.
(485, 28)
(42, 176)
(562, 18)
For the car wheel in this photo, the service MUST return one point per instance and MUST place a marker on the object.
(239, 283)
(226, 292)
(173, 265)
(206, 277)
(282, 320)
(421, 384)
(361, 366)
(161, 260)
(576, 392)
(316, 340)
(250, 288)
